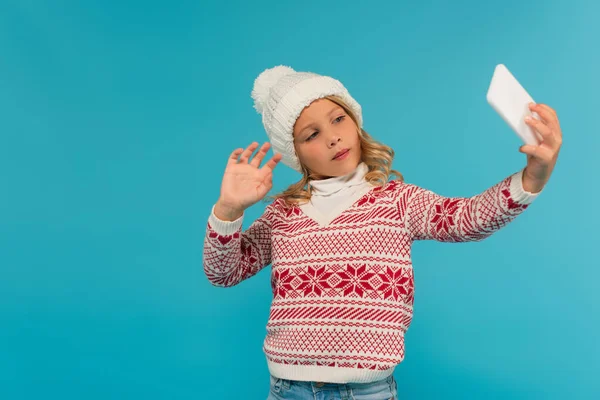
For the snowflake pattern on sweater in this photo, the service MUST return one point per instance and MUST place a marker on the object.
(343, 293)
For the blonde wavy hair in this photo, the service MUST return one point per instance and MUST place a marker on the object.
(377, 156)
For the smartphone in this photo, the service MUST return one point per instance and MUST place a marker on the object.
(511, 101)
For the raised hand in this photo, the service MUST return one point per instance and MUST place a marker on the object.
(244, 183)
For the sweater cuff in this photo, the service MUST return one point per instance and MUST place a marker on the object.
(224, 227)
(517, 192)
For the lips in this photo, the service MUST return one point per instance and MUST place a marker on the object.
(341, 152)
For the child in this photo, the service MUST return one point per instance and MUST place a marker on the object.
(339, 240)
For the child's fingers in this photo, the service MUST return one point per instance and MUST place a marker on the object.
(272, 162)
(542, 128)
(546, 113)
(549, 110)
(233, 158)
(542, 153)
(256, 160)
(249, 150)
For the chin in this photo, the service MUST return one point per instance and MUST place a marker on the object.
(348, 167)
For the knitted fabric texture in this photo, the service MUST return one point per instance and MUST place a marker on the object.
(280, 94)
(343, 294)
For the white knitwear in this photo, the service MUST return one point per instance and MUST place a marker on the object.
(280, 94)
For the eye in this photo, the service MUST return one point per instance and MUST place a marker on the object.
(338, 119)
(311, 136)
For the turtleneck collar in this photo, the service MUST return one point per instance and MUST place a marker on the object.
(327, 187)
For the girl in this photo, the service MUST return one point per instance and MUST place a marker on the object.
(339, 240)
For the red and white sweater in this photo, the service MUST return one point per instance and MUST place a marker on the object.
(342, 281)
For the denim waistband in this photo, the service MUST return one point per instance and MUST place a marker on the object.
(286, 383)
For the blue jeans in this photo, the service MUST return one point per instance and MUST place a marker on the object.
(283, 389)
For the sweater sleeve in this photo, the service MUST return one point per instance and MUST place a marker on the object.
(454, 219)
(230, 255)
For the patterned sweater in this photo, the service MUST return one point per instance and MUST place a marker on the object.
(343, 292)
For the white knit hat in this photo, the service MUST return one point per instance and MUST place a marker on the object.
(280, 94)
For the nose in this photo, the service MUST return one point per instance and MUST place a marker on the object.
(333, 140)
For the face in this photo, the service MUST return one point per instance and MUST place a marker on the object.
(320, 132)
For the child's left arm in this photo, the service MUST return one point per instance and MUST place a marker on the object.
(428, 215)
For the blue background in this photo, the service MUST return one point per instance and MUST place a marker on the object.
(116, 122)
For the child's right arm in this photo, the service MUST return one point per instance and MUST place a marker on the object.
(230, 255)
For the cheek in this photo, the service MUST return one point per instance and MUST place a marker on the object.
(311, 154)
(352, 136)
